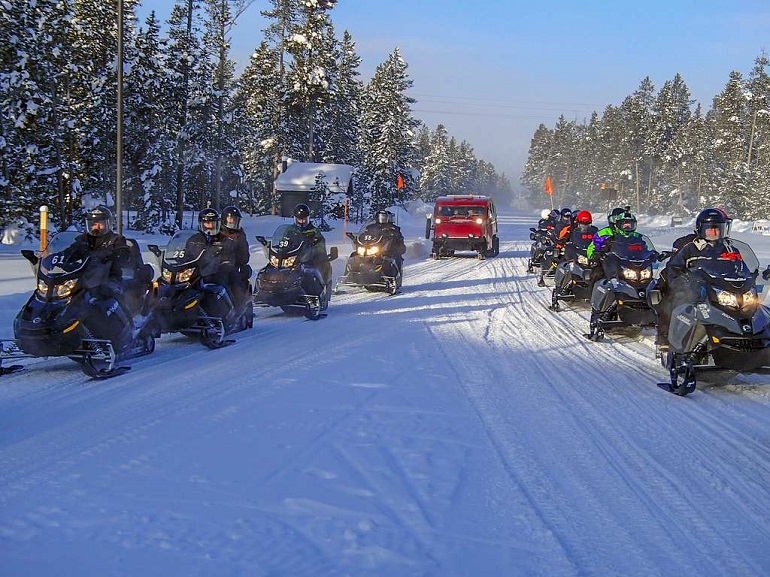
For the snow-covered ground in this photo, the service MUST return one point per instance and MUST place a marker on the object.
(457, 429)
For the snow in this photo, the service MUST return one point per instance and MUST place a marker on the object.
(457, 429)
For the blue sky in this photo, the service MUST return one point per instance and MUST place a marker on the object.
(492, 70)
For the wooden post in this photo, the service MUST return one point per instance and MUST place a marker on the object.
(43, 228)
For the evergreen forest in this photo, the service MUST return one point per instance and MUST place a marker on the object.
(193, 132)
(660, 153)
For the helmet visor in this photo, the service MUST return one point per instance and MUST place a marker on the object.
(626, 224)
(97, 225)
(714, 230)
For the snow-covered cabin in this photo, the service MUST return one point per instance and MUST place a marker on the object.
(296, 182)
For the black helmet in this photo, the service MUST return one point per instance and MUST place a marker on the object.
(614, 213)
(712, 224)
(231, 218)
(566, 214)
(302, 215)
(208, 222)
(625, 223)
(98, 221)
(382, 216)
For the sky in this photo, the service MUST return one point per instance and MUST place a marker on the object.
(493, 71)
(457, 429)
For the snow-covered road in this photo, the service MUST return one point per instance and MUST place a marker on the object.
(458, 428)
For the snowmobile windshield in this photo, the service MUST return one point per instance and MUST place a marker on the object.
(61, 241)
(58, 259)
(739, 262)
(630, 248)
(180, 252)
(287, 241)
(370, 234)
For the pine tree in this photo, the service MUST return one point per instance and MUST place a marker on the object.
(387, 135)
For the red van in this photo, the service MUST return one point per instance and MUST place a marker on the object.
(465, 222)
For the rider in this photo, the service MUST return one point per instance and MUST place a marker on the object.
(209, 239)
(603, 234)
(231, 228)
(113, 250)
(394, 241)
(304, 226)
(128, 278)
(712, 229)
(556, 235)
(581, 233)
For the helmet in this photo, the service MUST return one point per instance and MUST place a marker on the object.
(545, 213)
(98, 221)
(382, 216)
(554, 214)
(583, 217)
(302, 215)
(231, 218)
(625, 223)
(712, 224)
(613, 215)
(208, 222)
(566, 214)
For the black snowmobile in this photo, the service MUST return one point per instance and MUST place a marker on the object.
(572, 279)
(190, 305)
(728, 327)
(289, 280)
(619, 299)
(540, 240)
(65, 317)
(368, 266)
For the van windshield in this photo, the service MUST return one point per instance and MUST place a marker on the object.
(461, 211)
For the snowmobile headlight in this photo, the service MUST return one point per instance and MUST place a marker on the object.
(372, 250)
(361, 250)
(582, 259)
(274, 260)
(63, 290)
(42, 288)
(185, 275)
(289, 261)
(165, 274)
(726, 299)
(629, 274)
(438, 221)
(479, 221)
(645, 274)
(750, 299)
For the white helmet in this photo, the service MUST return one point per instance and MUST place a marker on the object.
(544, 213)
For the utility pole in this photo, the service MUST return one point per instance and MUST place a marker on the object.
(119, 146)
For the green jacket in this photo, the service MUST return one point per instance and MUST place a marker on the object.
(600, 237)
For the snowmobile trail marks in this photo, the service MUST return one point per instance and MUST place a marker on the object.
(11, 369)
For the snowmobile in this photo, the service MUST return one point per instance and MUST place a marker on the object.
(369, 266)
(540, 240)
(65, 317)
(572, 279)
(289, 280)
(728, 327)
(619, 299)
(190, 305)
